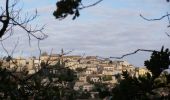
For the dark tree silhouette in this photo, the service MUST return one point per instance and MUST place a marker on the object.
(133, 88)
(159, 61)
(52, 82)
(70, 7)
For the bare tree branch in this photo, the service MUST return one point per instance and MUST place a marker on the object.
(162, 17)
(65, 53)
(144, 50)
(39, 58)
(167, 34)
(39, 49)
(10, 56)
(11, 17)
(5, 48)
(128, 54)
(90, 5)
(15, 47)
(5, 19)
(47, 62)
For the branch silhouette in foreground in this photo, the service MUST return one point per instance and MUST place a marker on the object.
(128, 54)
(11, 17)
(156, 19)
(162, 17)
(70, 7)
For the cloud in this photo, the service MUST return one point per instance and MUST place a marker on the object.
(104, 30)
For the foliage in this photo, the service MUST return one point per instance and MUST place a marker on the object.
(144, 87)
(89, 80)
(84, 95)
(70, 7)
(51, 82)
(44, 54)
(159, 61)
(167, 75)
(66, 7)
(79, 70)
(118, 77)
(132, 88)
(99, 86)
(102, 89)
(107, 78)
(8, 86)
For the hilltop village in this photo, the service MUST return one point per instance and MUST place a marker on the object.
(90, 69)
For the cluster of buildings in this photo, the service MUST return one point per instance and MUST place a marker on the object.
(90, 69)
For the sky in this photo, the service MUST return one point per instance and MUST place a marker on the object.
(111, 28)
